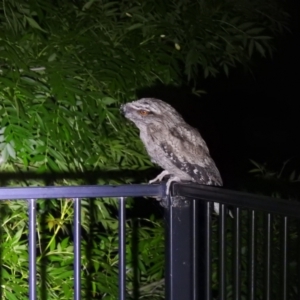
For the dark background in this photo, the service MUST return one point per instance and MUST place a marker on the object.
(249, 115)
(256, 116)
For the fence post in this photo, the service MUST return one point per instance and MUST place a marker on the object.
(185, 250)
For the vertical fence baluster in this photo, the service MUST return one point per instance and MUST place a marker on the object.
(32, 248)
(284, 249)
(298, 256)
(207, 252)
(196, 258)
(268, 256)
(77, 249)
(122, 249)
(252, 256)
(222, 252)
(237, 255)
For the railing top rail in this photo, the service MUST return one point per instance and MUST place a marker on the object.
(237, 199)
(194, 191)
(88, 191)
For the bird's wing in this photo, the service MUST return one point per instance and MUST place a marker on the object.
(188, 152)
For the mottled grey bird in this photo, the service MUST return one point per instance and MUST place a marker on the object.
(172, 144)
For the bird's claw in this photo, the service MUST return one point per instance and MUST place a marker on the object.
(159, 177)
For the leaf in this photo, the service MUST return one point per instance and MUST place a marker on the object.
(246, 25)
(108, 100)
(177, 46)
(262, 37)
(10, 296)
(53, 241)
(55, 154)
(38, 158)
(34, 24)
(134, 26)
(17, 236)
(226, 69)
(29, 80)
(250, 48)
(88, 5)
(8, 151)
(260, 49)
(206, 72)
(255, 30)
(53, 166)
(52, 57)
(292, 176)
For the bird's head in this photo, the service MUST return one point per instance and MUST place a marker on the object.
(148, 111)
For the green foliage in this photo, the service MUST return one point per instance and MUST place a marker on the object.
(63, 70)
(65, 67)
(263, 171)
(55, 251)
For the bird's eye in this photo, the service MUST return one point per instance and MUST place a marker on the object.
(143, 112)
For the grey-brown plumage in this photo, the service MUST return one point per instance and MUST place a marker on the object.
(171, 143)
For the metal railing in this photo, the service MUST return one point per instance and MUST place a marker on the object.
(248, 275)
(191, 232)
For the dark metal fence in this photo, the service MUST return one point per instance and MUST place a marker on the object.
(198, 244)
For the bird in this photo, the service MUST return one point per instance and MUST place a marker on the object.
(173, 144)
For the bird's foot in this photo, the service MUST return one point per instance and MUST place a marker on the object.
(172, 179)
(160, 176)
